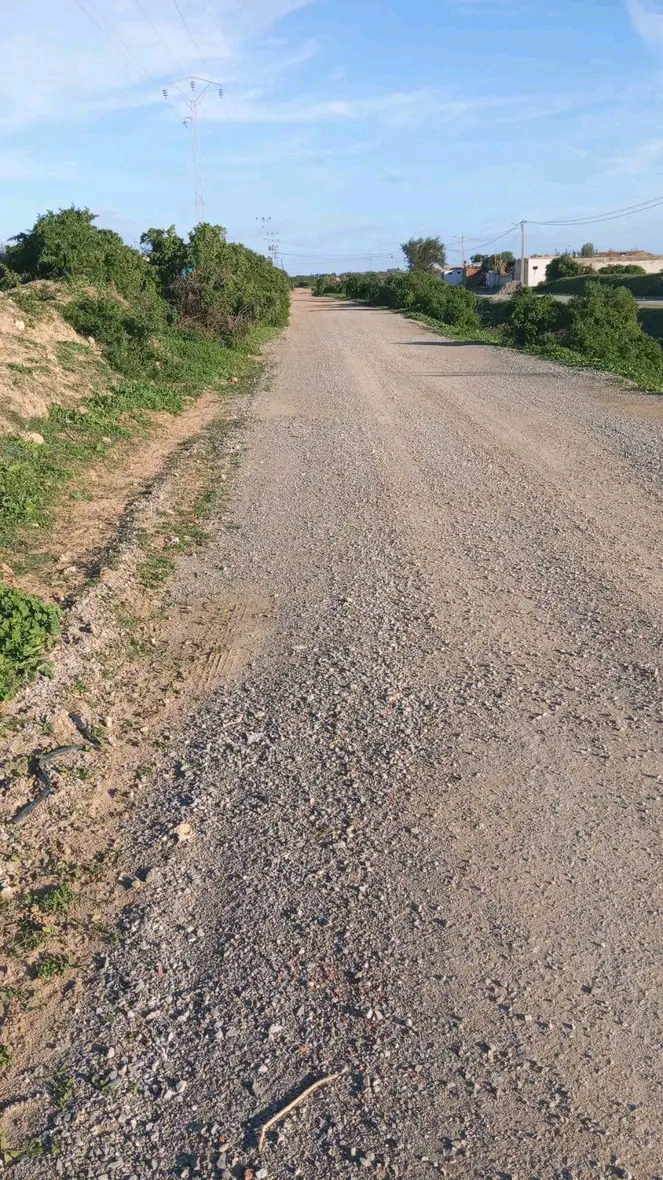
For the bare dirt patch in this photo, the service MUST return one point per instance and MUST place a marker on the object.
(43, 362)
(132, 661)
(101, 498)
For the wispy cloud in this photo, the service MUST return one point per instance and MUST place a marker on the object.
(647, 19)
(638, 160)
(117, 55)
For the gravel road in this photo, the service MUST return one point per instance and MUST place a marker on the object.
(425, 807)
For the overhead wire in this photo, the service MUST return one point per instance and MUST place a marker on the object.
(148, 18)
(113, 32)
(613, 215)
(191, 36)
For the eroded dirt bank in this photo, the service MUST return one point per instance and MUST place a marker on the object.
(421, 794)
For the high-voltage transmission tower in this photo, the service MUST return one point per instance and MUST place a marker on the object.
(271, 237)
(199, 88)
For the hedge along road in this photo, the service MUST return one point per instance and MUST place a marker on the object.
(425, 807)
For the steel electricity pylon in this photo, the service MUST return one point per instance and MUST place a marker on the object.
(199, 88)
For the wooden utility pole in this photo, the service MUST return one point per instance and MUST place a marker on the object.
(522, 253)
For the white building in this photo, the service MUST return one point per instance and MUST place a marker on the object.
(535, 269)
(535, 265)
(453, 275)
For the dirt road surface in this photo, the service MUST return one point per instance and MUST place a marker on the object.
(424, 804)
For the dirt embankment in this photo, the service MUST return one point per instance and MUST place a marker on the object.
(43, 362)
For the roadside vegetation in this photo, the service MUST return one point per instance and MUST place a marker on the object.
(599, 328)
(162, 325)
(643, 286)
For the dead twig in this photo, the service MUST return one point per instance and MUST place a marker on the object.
(291, 1106)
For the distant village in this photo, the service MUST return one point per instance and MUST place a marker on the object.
(495, 271)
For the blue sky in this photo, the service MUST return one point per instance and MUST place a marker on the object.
(353, 124)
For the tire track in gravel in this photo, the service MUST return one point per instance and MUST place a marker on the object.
(426, 814)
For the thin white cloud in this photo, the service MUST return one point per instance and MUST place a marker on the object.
(638, 160)
(647, 19)
(90, 60)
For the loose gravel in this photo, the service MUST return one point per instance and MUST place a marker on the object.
(416, 840)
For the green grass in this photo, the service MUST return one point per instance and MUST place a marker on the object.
(6, 1056)
(34, 478)
(54, 899)
(155, 569)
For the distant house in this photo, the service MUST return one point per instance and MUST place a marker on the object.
(534, 270)
(453, 275)
(535, 265)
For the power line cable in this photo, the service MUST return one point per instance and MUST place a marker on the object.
(613, 215)
(191, 36)
(113, 32)
(154, 28)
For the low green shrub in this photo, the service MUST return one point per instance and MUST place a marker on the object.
(417, 291)
(630, 268)
(604, 327)
(28, 630)
(642, 286)
(533, 319)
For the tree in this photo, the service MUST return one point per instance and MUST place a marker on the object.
(504, 262)
(166, 252)
(564, 267)
(424, 253)
(587, 251)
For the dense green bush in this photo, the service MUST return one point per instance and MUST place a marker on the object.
(28, 629)
(642, 286)
(67, 245)
(533, 319)
(604, 326)
(629, 269)
(416, 291)
(563, 267)
(125, 331)
(328, 285)
(217, 286)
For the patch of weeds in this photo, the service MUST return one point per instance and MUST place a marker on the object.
(18, 368)
(81, 685)
(155, 569)
(50, 964)
(29, 937)
(109, 934)
(6, 1056)
(205, 503)
(30, 1150)
(100, 1082)
(32, 303)
(73, 355)
(28, 629)
(62, 1087)
(54, 899)
(20, 994)
(95, 868)
(47, 728)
